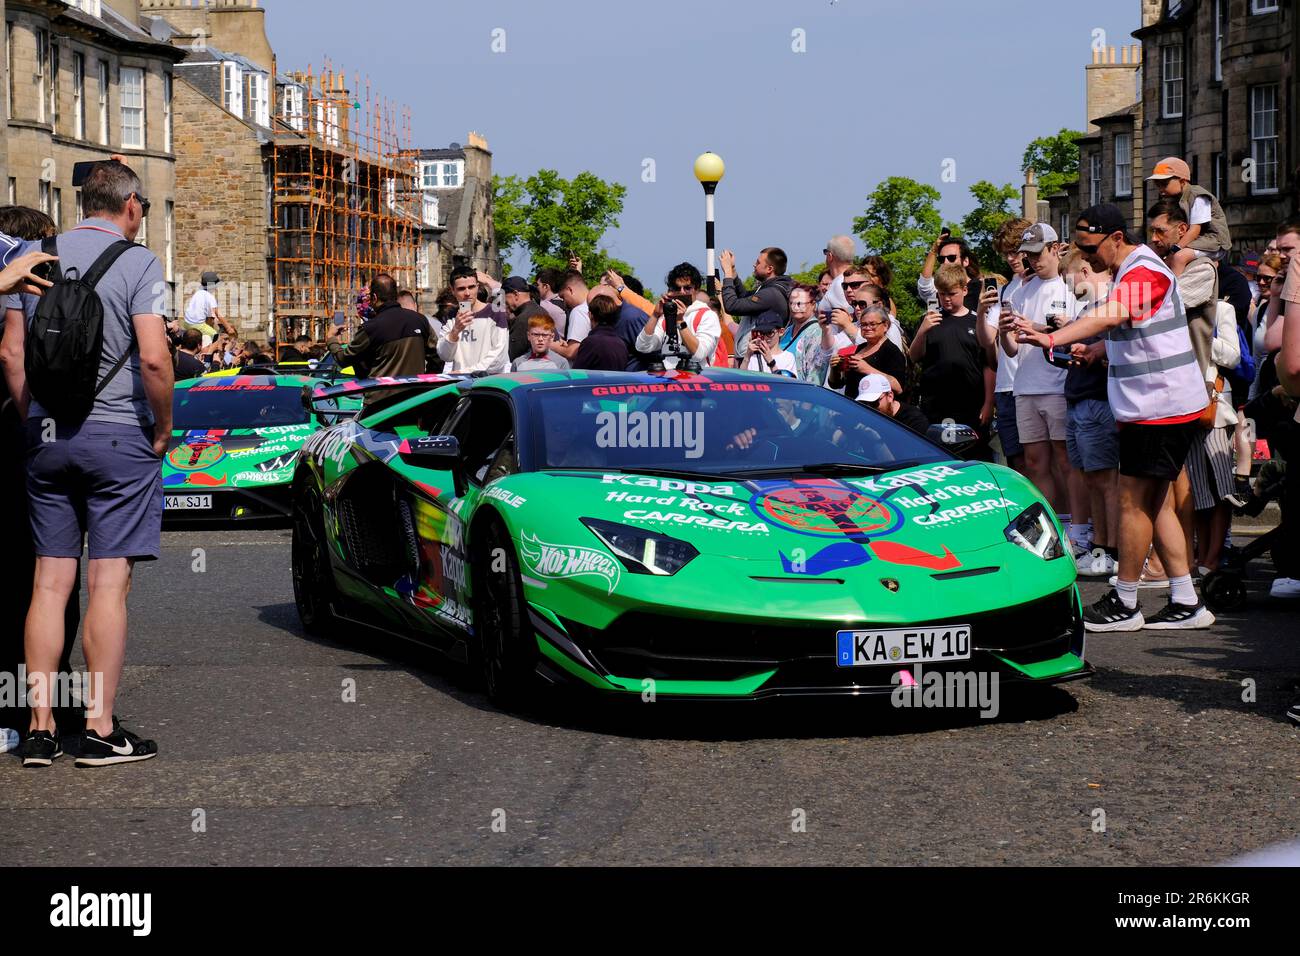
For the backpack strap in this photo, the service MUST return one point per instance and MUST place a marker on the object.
(50, 246)
(105, 261)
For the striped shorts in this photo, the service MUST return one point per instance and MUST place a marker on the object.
(1209, 468)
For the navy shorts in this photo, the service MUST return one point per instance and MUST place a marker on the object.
(1004, 403)
(1091, 438)
(100, 480)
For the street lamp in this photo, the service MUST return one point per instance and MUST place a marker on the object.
(708, 170)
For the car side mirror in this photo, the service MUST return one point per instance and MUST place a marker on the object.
(957, 439)
(438, 453)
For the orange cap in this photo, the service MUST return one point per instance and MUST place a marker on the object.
(1171, 168)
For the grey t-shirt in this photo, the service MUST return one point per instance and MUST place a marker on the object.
(133, 286)
(553, 362)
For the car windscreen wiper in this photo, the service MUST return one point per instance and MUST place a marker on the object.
(656, 472)
(829, 468)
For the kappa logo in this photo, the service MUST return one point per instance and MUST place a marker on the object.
(567, 561)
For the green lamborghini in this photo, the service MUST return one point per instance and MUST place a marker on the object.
(714, 534)
(235, 444)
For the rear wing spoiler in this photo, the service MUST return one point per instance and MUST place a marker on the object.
(314, 398)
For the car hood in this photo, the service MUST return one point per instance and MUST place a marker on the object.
(233, 457)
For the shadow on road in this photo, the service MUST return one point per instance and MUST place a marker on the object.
(796, 718)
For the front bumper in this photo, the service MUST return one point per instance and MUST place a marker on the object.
(273, 502)
(1039, 642)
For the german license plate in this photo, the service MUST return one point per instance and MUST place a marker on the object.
(904, 645)
(187, 502)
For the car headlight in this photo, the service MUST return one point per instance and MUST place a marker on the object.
(1035, 531)
(642, 551)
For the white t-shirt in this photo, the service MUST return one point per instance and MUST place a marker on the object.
(784, 363)
(1200, 212)
(201, 307)
(579, 323)
(557, 316)
(1036, 300)
(834, 297)
(1007, 364)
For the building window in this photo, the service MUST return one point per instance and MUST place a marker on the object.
(1263, 6)
(291, 107)
(232, 88)
(131, 82)
(54, 88)
(1263, 138)
(79, 95)
(56, 211)
(81, 212)
(86, 6)
(13, 191)
(43, 190)
(1218, 173)
(429, 175)
(1220, 31)
(1123, 164)
(103, 102)
(9, 69)
(167, 112)
(429, 210)
(259, 103)
(1094, 178)
(451, 175)
(169, 224)
(42, 69)
(1171, 82)
(142, 236)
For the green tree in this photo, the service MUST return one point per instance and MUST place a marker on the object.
(993, 207)
(900, 223)
(548, 216)
(1054, 160)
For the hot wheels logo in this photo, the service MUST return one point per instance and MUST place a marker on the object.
(567, 561)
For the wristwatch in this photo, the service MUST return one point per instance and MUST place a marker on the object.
(619, 289)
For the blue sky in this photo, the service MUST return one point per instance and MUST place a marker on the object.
(884, 87)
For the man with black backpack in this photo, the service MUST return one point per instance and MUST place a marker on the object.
(88, 363)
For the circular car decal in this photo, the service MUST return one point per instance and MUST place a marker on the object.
(826, 509)
(195, 457)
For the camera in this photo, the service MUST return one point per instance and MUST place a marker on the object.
(671, 308)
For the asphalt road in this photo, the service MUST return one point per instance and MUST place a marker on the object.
(263, 762)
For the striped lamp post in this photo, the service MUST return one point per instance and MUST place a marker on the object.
(708, 170)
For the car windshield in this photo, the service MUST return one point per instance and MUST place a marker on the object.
(711, 427)
(235, 404)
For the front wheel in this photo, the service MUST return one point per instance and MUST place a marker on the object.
(313, 578)
(507, 645)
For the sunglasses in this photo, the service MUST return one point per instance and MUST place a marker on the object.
(144, 204)
(1089, 250)
(853, 285)
(952, 258)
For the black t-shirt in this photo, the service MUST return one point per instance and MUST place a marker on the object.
(1086, 381)
(952, 370)
(887, 359)
(912, 417)
(187, 366)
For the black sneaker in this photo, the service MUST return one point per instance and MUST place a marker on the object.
(40, 748)
(121, 746)
(1112, 614)
(1180, 617)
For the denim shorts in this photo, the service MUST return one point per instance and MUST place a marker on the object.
(97, 480)
(1091, 438)
(1008, 434)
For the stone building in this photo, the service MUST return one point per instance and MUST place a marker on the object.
(83, 79)
(1215, 84)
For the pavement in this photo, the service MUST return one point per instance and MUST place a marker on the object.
(1176, 752)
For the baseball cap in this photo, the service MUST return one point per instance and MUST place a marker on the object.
(1037, 236)
(1250, 262)
(872, 387)
(515, 284)
(210, 278)
(768, 322)
(1101, 220)
(1171, 167)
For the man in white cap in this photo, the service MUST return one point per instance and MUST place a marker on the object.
(876, 392)
(1039, 386)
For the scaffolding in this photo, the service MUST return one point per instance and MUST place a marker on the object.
(343, 201)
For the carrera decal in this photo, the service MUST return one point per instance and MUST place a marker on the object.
(697, 521)
(961, 512)
(557, 561)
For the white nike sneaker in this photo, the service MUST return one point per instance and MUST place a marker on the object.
(1284, 588)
